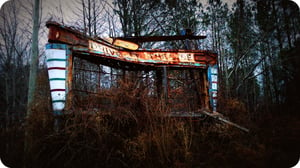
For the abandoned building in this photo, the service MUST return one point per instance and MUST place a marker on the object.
(80, 66)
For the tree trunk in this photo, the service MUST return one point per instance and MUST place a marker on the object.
(32, 81)
(34, 59)
(278, 35)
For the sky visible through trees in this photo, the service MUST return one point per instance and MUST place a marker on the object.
(257, 42)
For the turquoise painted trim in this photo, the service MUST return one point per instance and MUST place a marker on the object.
(52, 79)
(57, 113)
(56, 46)
(68, 51)
(58, 101)
(192, 64)
(68, 55)
(213, 100)
(56, 59)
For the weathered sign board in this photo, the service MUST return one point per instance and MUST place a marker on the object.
(143, 56)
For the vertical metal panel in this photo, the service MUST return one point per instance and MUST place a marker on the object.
(213, 86)
(57, 58)
(205, 89)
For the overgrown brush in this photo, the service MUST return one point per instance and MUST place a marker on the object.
(126, 127)
(132, 131)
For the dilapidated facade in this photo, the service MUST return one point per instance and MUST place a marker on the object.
(79, 66)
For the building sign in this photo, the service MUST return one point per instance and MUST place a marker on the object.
(142, 56)
(161, 57)
(186, 57)
(103, 49)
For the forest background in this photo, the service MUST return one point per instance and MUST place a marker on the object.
(257, 42)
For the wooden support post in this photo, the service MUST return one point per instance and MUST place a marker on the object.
(162, 83)
(165, 83)
(158, 75)
(69, 81)
(196, 86)
(99, 77)
(124, 78)
(204, 90)
(111, 78)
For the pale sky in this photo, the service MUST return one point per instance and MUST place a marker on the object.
(68, 5)
(57, 8)
(52, 8)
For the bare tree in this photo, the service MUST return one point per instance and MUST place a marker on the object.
(136, 17)
(91, 16)
(215, 20)
(14, 51)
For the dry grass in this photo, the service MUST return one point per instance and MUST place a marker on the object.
(134, 132)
